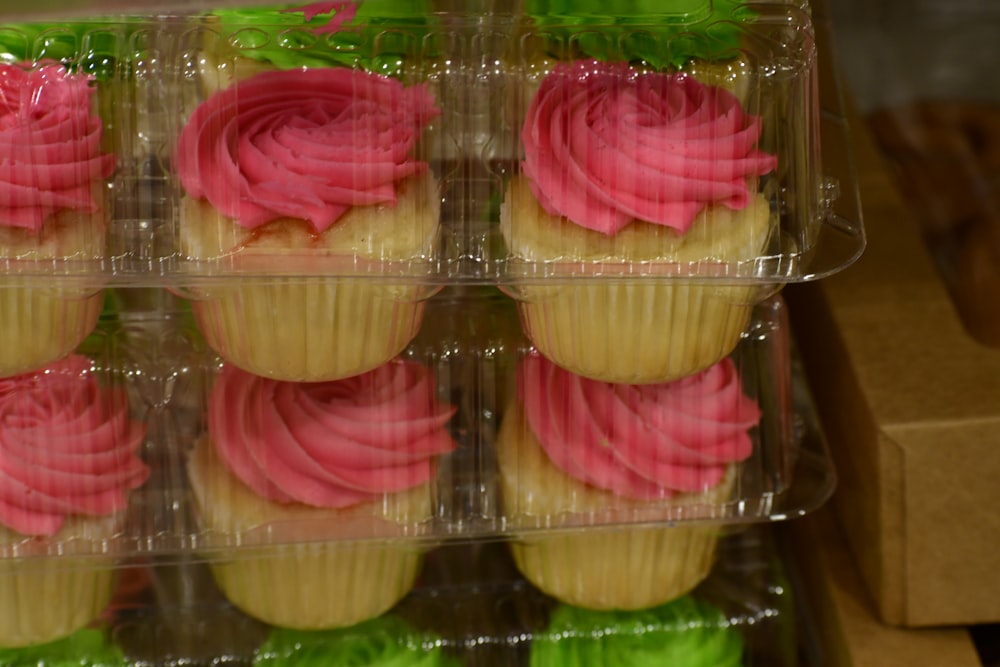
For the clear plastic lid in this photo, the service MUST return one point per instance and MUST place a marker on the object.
(205, 117)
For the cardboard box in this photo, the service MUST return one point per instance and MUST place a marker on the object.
(840, 628)
(911, 407)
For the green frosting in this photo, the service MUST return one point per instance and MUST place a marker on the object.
(386, 641)
(84, 648)
(682, 632)
(95, 344)
(93, 48)
(662, 33)
(382, 34)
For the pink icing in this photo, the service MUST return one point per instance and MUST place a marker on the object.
(330, 444)
(342, 10)
(67, 446)
(50, 140)
(640, 441)
(306, 144)
(605, 144)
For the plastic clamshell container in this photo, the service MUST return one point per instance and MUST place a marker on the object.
(468, 352)
(468, 608)
(482, 77)
(480, 73)
(300, 171)
(304, 171)
(259, 297)
(469, 355)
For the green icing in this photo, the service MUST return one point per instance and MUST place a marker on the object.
(382, 34)
(681, 632)
(95, 344)
(93, 48)
(662, 33)
(84, 648)
(386, 641)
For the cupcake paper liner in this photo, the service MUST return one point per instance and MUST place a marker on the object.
(635, 332)
(310, 330)
(38, 325)
(321, 585)
(618, 569)
(42, 600)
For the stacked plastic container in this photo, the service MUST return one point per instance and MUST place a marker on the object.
(373, 330)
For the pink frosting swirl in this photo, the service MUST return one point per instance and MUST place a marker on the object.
(306, 144)
(51, 142)
(67, 446)
(605, 144)
(330, 444)
(639, 441)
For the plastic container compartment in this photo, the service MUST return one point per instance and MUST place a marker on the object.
(303, 189)
(64, 129)
(600, 134)
(470, 350)
(469, 608)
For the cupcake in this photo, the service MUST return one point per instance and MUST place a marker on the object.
(84, 648)
(69, 452)
(53, 213)
(323, 484)
(387, 641)
(638, 205)
(306, 180)
(682, 632)
(601, 460)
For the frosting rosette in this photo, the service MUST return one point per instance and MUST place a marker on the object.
(51, 141)
(305, 144)
(376, 35)
(640, 441)
(330, 444)
(606, 144)
(672, 33)
(67, 447)
(387, 641)
(684, 631)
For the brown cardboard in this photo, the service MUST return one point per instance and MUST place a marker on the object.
(911, 407)
(848, 633)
